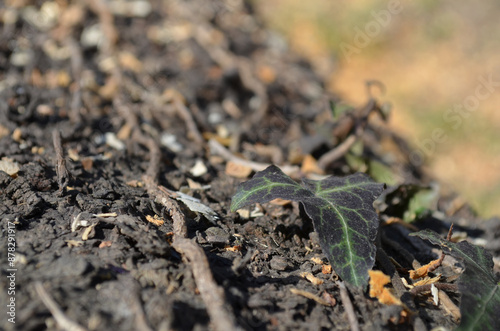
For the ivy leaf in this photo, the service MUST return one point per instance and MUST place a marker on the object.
(341, 210)
(480, 304)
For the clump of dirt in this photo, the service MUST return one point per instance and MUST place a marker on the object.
(125, 129)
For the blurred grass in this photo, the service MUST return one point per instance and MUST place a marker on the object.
(429, 57)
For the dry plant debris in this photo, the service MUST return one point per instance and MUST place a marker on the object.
(114, 111)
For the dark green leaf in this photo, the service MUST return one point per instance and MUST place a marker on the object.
(480, 305)
(341, 210)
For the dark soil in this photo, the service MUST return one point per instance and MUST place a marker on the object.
(163, 85)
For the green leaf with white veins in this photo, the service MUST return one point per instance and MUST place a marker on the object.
(341, 209)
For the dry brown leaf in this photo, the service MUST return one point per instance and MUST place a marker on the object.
(280, 202)
(9, 166)
(310, 165)
(423, 270)
(427, 280)
(329, 298)
(129, 61)
(236, 248)
(326, 269)
(110, 88)
(193, 185)
(135, 183)
(74, 243)
(156, 220)
(237, 170)
(87, 163)
(105, 244)
(221, 140)
(124, 132)
(266, 74)
(317, 260)
(378, 280)
(17, 135)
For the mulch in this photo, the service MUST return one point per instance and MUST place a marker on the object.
(125, 128)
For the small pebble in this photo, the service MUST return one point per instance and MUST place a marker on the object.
(279, 263)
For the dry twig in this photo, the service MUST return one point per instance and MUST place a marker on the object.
(218, 149)
(64, 322)
(349, 309)
(328, 158)
(361, 120)
(76, 71)
(311, 296)
(440, 286)
(186, 116)
(63, 175)
(449, 306)
(212, 294)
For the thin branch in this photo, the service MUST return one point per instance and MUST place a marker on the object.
(440, 286)
(450, 232)
(186, 116)
(218, 149)
(441, 258)
(76, 71)
(212, 294)
(361, 119)
(328, 158)
(64, 322)
(449, 306)
(162, 197)
(349, 308)
(63, 175)
(311, 296)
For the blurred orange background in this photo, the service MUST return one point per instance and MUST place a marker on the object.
(433, 57)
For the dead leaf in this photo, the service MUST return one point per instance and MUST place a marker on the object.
(378, 280)
(280, 202)
(237, 170)
(236, 248)
(74, 243)
(427, 280)
(124, 132)
(423, 270)
(9, 166)
(105, 244)
(129, 61)
(156, 220)
(87, 163)
(310, 165)
(326, 269)
(329, 298)
(17, 135)
(317, 260)
(266, 74)
(135, 183)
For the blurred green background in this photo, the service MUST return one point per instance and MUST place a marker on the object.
(429, 55)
